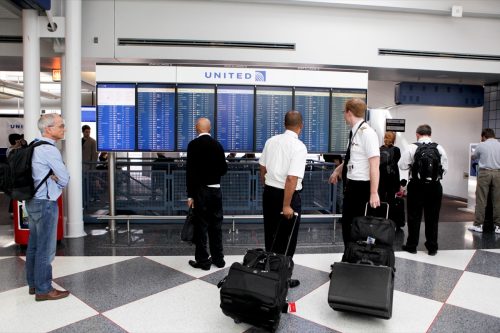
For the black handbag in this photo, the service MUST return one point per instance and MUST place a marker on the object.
(187, 233)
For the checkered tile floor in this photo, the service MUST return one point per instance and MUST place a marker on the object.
(455, 291)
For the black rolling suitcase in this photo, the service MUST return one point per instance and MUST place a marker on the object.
(363, 288)
(255, 291)
(364, 281)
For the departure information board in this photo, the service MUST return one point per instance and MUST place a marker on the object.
(339, 130)
(272, 103)
(116, 117)
(235, 115)
(155, 117)
(193, 102)
(314, 105)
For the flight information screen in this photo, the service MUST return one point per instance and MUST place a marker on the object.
(339, 130)
(271, 105)
(155, 117)
(116, 117)
(314, 105)
(193, 102)
(235, 115)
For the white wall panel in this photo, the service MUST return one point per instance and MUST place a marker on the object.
(98, 20)
(323, 35)
(453, 128)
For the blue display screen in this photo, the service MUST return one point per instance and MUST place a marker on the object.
(155, 117)
(116, 117)
(272, 103)
(193, 102)
(88, 114)
(339, 130)
(314, 105)
(235, 114)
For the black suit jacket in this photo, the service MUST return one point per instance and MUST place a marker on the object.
(206, 163)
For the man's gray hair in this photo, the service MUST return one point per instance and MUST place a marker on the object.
(47, 120)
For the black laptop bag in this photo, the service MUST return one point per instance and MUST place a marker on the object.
(255, 291)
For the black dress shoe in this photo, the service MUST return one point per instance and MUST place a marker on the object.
(432, 253)
(202, 265)
(293, 283)
(409, 249)
(31, 291)
(219, 263)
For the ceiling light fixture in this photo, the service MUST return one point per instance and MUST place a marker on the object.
(11, 92)
(17, 90)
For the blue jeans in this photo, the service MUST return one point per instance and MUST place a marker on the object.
(41, 244)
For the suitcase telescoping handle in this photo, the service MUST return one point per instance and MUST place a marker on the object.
(382, 203)
(295, 218)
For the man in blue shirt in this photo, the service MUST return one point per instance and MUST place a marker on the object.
(488, 179)
(43, 211)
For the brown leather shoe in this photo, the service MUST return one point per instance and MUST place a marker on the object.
(52, 295)
(31, 291)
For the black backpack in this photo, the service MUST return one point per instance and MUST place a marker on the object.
(16, 178)
(426, 165)
(387, 160)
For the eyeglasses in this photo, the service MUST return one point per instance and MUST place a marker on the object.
(58, 126)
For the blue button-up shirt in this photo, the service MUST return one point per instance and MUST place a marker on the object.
(46, 158)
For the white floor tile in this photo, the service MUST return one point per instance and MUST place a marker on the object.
(191, 307)
(319, 261)
(62, 266)
(477, 292)
(180, 263)
(21, 313)
(457, 259)
(410, 314)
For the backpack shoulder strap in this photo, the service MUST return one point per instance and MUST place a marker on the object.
(34, 144)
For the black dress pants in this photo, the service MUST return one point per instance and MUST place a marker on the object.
(356, 196)
(272, 206)
(208, 221)
(423, 198)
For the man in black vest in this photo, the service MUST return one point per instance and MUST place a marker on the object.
(206, 164)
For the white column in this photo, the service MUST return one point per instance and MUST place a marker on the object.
(31, 73)
(72, 115)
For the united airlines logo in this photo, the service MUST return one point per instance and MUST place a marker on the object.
(260, 76)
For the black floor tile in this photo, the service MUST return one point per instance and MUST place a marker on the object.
(12, 273)
(456, 319)
(97, 323)
(113, 285)
(484, 262)
(425, 280)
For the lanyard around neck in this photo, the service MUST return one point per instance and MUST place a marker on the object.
(357, 129)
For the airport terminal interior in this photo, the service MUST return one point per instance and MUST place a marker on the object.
(142, 282)
(413, 62)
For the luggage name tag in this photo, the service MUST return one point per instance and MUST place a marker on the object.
(370, 240)
(292, 307)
